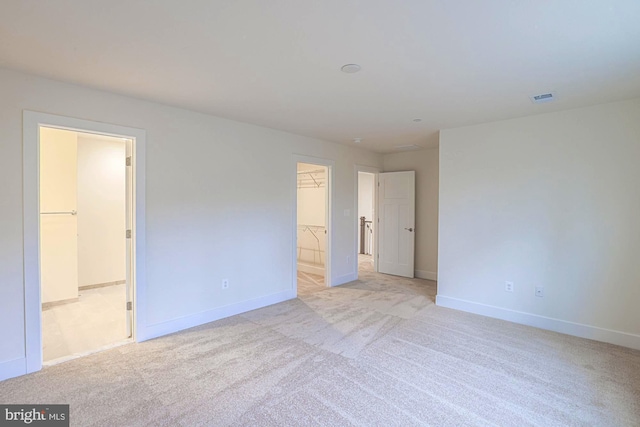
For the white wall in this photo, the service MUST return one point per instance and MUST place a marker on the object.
(365, 199)
(551, 200)
(217, 191)
(425, 163)
(58, 233)
(101, 210)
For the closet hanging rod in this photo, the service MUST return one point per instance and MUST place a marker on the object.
(311, 171)
(59, 213)
(311, 186)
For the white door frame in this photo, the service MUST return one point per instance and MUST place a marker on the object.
(328, 280)
(32, 121)
(375, 172)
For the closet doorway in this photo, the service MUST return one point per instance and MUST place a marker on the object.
(85, 199)
(312, 195)
(366, 225)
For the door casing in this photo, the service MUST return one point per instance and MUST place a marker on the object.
(32, 121)
(329, 216)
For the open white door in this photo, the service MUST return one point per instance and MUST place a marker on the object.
(396, 223)
(129, 237)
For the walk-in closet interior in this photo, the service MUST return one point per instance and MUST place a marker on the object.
(82, 243)
(311, 231)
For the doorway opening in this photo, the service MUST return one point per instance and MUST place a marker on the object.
(312, 195)
(134, 139)
(366, 226)
(85, 223)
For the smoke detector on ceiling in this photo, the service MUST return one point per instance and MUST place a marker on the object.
(543, 97)
(350, 68)
(357, 140)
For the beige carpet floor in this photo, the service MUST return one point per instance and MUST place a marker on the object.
(309, 283)
(375, 352)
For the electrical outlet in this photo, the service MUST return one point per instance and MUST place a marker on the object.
(225, 283)
(348, 260)
(508, 286)
(540, 291)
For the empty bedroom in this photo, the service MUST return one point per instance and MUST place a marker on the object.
(320, 213)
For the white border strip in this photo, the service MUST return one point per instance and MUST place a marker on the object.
(345, 279)
(87, 353)
(570, 328)
(193, 320)
(13, 368)
(428, 275)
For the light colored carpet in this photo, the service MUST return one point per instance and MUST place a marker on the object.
(375, 352)
(309, 283)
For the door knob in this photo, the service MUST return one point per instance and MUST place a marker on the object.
(410, 229)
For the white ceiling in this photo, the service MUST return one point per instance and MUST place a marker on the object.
(277, 63)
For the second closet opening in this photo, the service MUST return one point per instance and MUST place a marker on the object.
(312, 196)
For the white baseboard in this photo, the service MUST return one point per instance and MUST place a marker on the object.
(179, 324)
(344, 279)
(311, 268)
(13, 368)
(428, 275)
(570, 328)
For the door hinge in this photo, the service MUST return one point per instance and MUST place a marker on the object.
(129, 306)
(128, 161)
(128, 234)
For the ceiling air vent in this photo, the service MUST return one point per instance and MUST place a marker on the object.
(407, 147)
(543, 97)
